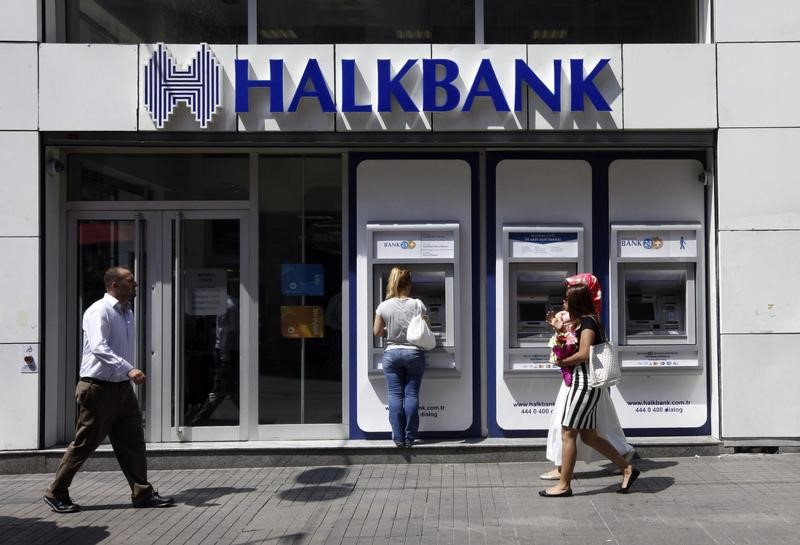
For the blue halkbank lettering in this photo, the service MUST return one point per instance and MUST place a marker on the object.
(437, 74)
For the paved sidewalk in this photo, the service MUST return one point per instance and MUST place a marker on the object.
(730, 499)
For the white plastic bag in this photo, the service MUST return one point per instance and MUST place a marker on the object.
(419, 332)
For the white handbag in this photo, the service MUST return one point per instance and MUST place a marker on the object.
(604, 368)
(419, 332)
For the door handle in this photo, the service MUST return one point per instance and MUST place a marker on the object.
(177, 322)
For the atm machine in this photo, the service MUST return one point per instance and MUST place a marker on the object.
(533, 261)
(429, 252)
(537, 259)
(656, 297)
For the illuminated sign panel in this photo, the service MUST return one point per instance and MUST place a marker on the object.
(284, 84)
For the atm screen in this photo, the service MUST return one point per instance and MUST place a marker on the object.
(641, 311)
(532, 312)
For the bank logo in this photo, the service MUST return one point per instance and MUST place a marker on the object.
(402, 244)
(654, 243)
(198, 85)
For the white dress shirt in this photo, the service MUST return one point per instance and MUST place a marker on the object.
(108, 341)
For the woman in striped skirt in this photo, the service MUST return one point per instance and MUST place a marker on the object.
(580, 411)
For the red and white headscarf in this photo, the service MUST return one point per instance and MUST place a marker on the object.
(594, 288)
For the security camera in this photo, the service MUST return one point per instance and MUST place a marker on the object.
(706, 178)
(54, 166)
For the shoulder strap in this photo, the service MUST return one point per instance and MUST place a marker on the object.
(600, 327)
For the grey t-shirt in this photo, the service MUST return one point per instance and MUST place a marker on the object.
(396, 314)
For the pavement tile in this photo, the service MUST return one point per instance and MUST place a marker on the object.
(731, 499)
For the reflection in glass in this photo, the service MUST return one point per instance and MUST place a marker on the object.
(157, 177)
(209, 336)
(590, 21)
(103, 244)
(300, 373)
(151, 21)
(366, 21)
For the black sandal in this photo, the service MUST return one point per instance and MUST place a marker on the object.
(634, 475)
(564, 494)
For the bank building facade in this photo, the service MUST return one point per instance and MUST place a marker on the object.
(260, 165)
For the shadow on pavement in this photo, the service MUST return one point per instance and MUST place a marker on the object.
(321, 475)
(46, 531)
(106, 507)
(642, 463)
(287, 538)
(644, 485)
(316, 493)
(200, 497)
(318, 490)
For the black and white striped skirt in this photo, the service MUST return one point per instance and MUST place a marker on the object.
(581, 408)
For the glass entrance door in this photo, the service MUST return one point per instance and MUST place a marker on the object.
(202, 308)
(100, 241)
(190, 311)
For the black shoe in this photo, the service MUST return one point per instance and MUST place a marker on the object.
(399, 445)
(563, 494)
(409, 443)
(64, 505)
(632, 479)
(153, 500)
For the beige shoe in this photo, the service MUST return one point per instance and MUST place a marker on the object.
(552, 475)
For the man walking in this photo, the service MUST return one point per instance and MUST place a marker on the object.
(107, 405)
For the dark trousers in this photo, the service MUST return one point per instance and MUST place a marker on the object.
(106, 410)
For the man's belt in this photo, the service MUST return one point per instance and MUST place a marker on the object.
(99, 382)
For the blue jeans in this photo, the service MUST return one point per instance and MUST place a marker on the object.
(403, 369)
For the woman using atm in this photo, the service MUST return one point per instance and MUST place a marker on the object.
(403, 362)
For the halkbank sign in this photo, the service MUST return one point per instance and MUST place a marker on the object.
(398, 85)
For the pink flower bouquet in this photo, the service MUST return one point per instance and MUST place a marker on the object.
(563, 343)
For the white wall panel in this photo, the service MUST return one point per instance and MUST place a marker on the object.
(309, 115)
(415, 191)
(759, 272)
(531, 192)
(759, 182)
(670, 86)
(19, 101)
(763, 21)
(758, 85)
(483, 114)
(19, 404)
(655, 190)
(88, 87)
(758, 399)
(608, 82)
(19, 290)
(20, 21)
(181, 117)
(366, 87)
(19, 188)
